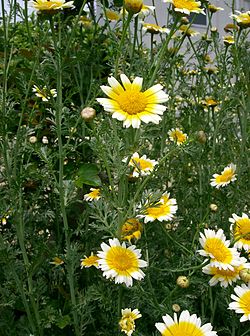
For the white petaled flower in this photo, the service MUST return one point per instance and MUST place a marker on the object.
(44, 93)
(186, 6)
(188, 325)
(225, 277)
(241, 305)
(240, 228)
(94, 194)
(129, 104)
(177, 136)
(51, 5)
(164, 210)
(142, 165)
(227, 175)
(216, 247)
(121, 263)
(127, 322)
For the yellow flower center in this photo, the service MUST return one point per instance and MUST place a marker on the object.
(244, 302)
(226, 176)
(90, 261)
(220, 252)
(122, 260)
(132, 101)
(94, 193)
(243, 228)
(186, 4)
(178, 136)
(226, 273)
(142, 164)
(161, 210)
(183, 329)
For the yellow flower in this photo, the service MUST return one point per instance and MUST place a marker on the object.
(242, 19)
(188, 325)
(182, 281)
(162, 211)
(177, 136)
(146, 10)
(131, 229)
(230, 27)
(44, 93)
(133, 6)
(241, 305)
(210, 102)
(112, 15)
(188, 31)
(127, 322)
(216, 247)
(142, 165)
(228, 40)
(214, 9)
(87, 262)
(51, 5)
(57, 261)
(225, 277)
(241, 231)
(85, 21)
(94, 194)
(128, 104)
(227, 175)
(154, 29)
(186, 6)
(121, 263)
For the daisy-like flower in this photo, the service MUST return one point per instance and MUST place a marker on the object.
(112, 15)
(142, 165)
(213, 9)
(163, 210)
(241, 305)
(87, 262)
(128, 104)
(57, 261)
(228, 40)
(121, 263)
(216, 247)
(242, 19)
(44, 93)
(186, 30)
(186, 6)
(85, 21)
(131, 229)
(133, 6)
(227, 175)
(177, 136)
(94, 194)
(188, 325)
(127, 322)
(154, 29)
(51, 5)
(210, 102)
(225, 277)
(146, 10)
(240, 228)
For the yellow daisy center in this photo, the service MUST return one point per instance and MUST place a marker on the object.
(156, 212)
(217, 248)
(226, 176)
(244, 302)
(178, 136)
(186, 4)
(142, 164)
(225, 273)
(90, 261)
(95, 193)
(122, 260)
(183, 328)
(132, 101)
(243, 228)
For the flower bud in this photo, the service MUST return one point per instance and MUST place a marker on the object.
(176, 308)
(182, 281)
(201, 137)
(133, 6)
(33, 139)
(213, 207)
(88, 114)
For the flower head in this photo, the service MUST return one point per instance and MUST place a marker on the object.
(51, 5)
(225, 277)
(242, 19)
(213, 9)
(216, 247)
(162, 211)
(57, 261)
(121, 263)
(94, 194)
(127, 322)
(227, 175)
(87, 262)
(142, 165)
(186, 30)
(188, 325)
(241, 231)
(112, 15)
(44, 93)
(154, 29)
(133, 6)
(241, 305)
(228, 40)
(128, 104)
(186, 6)
(131, 229)
(177, 136)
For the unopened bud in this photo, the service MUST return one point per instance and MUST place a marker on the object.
(201, 137)
(213, 207)
(88, 113)
(33, 139)
(176, 308)
(182, 281)
(133, 6)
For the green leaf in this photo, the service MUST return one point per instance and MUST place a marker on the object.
(63, 321)
(88, 174)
